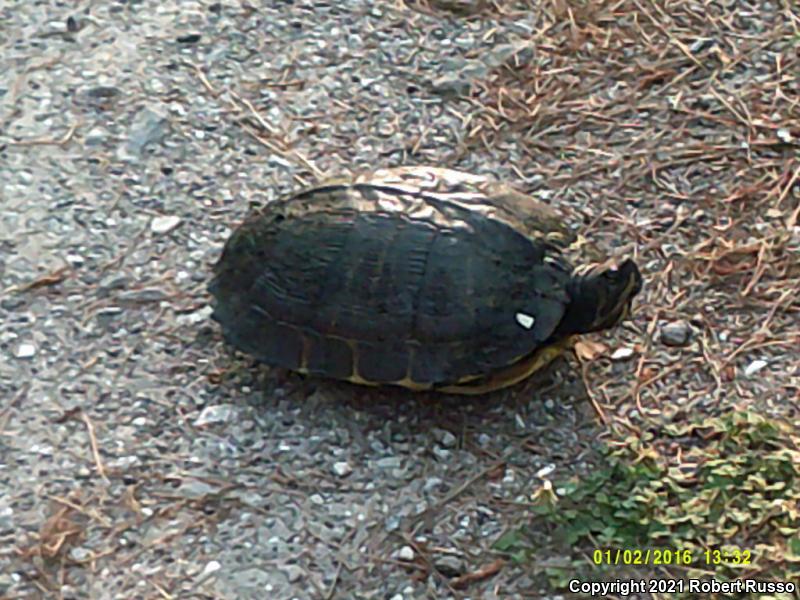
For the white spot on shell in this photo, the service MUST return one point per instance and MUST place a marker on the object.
(526, 321)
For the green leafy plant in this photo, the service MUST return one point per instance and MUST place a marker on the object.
(734, 485)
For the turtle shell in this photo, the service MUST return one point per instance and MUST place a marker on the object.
(423, 278)
(409, 190)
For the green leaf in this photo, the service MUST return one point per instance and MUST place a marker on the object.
(510, 540)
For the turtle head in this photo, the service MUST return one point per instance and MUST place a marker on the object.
(601, 297)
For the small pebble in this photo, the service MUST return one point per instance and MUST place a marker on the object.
(447, 439)
(294, 573)
(406, 553)
(189, 38)
(388, 462)
(392, 523)
(784, 135)
(197, 316)
(432, 483)
(754, 367)
(546, 470)
(12, 302)
(212, 567)
(143, 295)
(449, 565)
(441, 453)
(217, 413)
(676, 334)
(80, 554)
(452, 84)
(25, 351)
(342, 469)
(164, 224)
(622, 354)
(68, 592)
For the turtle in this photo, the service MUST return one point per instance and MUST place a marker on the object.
(420, 277)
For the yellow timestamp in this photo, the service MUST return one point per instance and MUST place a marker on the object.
(667, 556)
(727, 557)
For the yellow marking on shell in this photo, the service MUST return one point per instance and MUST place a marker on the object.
(514, 373)
(471, 385)
(412, 354)
(412, 385)
(354, 375)
(304, 354)
(358, 380)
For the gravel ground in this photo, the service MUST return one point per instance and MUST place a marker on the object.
(143, 459)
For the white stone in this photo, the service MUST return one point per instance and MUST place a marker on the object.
(198, 316)
(546, 470)
(342, 469)
(25, 351)
(80, 554)
(212, 567)
(406, 553)
(216, 413)
(622, 353)
(448, 440)
(519, 421)
(164, 224)
(754, 367)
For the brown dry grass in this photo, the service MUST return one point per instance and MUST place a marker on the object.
(671, 129)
